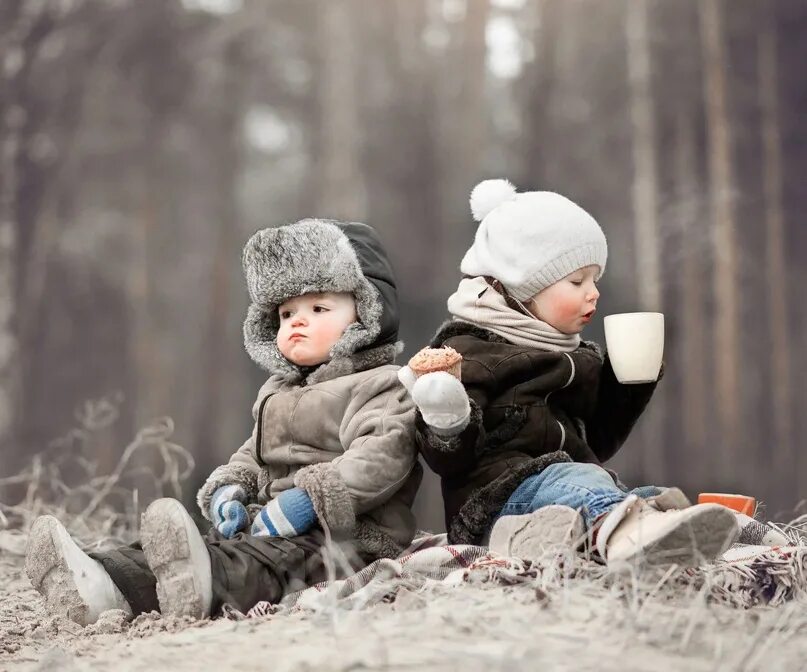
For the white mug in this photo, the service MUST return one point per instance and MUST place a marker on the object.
(635, 345)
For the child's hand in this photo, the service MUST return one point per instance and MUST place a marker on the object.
(290, 514)
(227, 510)
(441, 398)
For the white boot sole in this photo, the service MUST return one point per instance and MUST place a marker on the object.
(533, 535)
(178, 556)
(73, 584)
(697, 539)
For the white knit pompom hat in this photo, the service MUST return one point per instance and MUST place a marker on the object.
(530, 240)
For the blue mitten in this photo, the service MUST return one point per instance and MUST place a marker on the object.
(289, 514)
(227, 510)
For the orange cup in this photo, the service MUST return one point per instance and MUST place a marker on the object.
(742, 503)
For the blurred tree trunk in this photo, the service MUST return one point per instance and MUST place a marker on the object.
(405, 164)
(160, 81)
(783, 449)
(10, 121)
(541, 82)
(22, 31)
(645, 212)
(225, 146)
(141, 279)
(9, 371)
(721, 184)
(341, 191)
(463, 137)
(645, 182)
(693, 370)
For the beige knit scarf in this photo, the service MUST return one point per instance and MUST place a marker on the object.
(475, 301)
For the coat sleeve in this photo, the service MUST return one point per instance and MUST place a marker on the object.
(241, 469)
(377, 434)
(451, 455)
(618, 408)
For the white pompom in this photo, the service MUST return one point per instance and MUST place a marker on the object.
(489, 194)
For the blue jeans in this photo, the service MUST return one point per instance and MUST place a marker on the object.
(586, 487)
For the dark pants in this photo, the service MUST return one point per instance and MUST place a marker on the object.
(245, 569)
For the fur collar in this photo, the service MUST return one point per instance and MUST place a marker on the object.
(353, 363)
(452, 328)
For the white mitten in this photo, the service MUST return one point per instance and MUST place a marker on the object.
(441, 398)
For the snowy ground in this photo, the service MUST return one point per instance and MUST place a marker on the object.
(570, 623)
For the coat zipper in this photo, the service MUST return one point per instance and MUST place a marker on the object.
(562, 434)
(568, 382)
(546, 400)
(259, 434)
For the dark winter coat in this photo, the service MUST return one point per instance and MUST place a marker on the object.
(529, 408)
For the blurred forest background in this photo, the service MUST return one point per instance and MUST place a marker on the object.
(143, 141)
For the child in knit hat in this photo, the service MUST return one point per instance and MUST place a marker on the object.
(332, 452)
(520, 442)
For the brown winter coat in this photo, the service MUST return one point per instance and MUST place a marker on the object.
(529, 408)
(348, 440)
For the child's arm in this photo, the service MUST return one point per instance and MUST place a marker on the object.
(448, 455)
(454, 452)
(377, 433)
(618, 408)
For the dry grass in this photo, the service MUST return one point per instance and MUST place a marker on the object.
(99, 510)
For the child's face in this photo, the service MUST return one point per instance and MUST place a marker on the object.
(570, 303)
(311, 324)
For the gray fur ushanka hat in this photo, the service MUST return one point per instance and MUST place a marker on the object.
(310, 256)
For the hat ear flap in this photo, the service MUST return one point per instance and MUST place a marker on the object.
(489, 194)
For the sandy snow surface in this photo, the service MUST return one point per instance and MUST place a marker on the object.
(478, 625)
(547, 621)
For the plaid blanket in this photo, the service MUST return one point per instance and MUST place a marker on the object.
(744, 577)
(428, 560)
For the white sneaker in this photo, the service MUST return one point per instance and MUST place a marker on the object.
(72, 583)
(178, 556)
(636, 533)
(533, 535)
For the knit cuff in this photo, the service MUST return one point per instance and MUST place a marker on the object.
(290, 514)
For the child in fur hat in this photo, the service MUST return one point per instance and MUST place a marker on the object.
(332, 452)
(521, 440)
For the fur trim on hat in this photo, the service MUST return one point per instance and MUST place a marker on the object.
(310, 256)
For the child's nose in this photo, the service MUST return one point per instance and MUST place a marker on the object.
(594, 294)
(298, 320)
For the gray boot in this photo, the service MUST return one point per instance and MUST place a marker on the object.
(72, 583)
(669, 499)
(178, 556)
